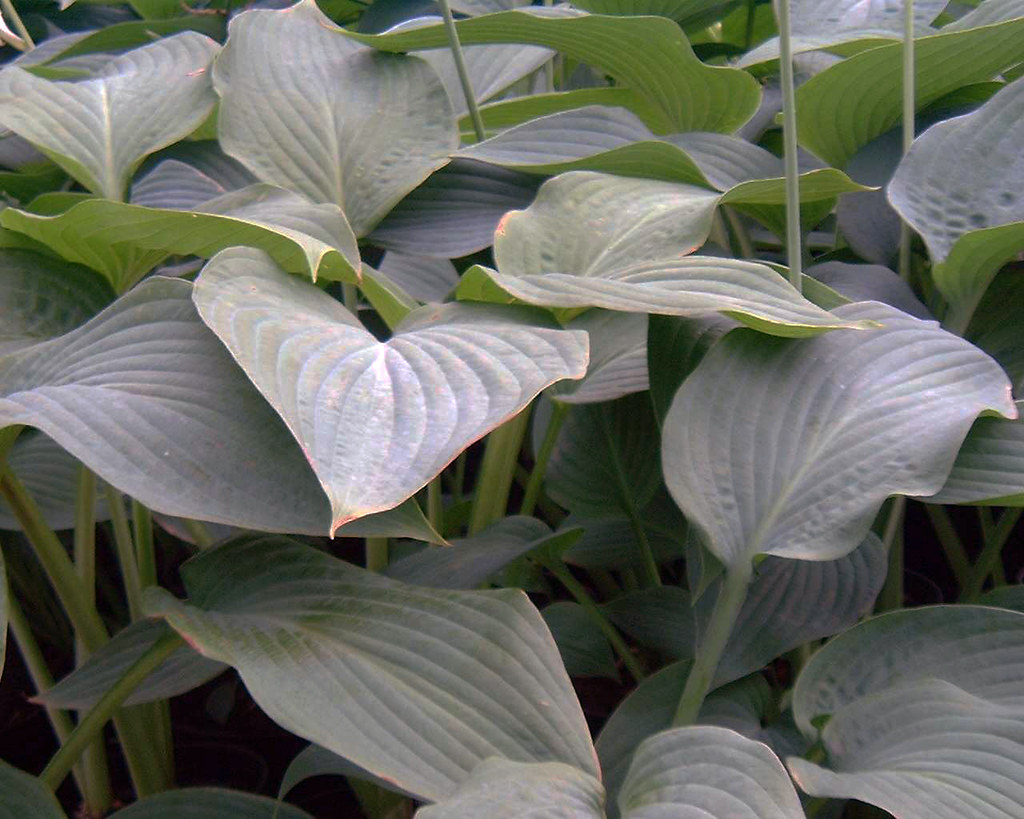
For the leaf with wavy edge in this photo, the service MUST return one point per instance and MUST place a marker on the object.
(633, 50)
(147, 397)
(456, 676)
(100, 129)
(821, 431)
(378, 420)
(330, 120)
(124, 241)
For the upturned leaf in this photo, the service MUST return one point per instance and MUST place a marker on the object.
(817, 433)
(478, 676)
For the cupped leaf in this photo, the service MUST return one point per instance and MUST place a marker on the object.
(500, 789)
(148, 398)
(647, 54)
(468, 562)
(330, 120)
(979, 188)
(455, 211)
(926, 714)
(209, 803)
(820, 431)
(125, 241)
(989, 468)
(618, 358)
(24, 795)
(415, 685)
(378, 420)
(595, 240)
(100, 129)
(184, 670)
(707, 771)
(847, 105)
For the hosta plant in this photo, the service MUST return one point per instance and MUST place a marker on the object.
(418, 366)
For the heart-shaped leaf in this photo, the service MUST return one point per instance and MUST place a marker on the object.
(147, 398)
(633, 50)
(820, 431)
(331, 120)
(209, 803)
(926, 714)
(478, 676)
(125, 241)
(979, 188)
(595, 240)
(844, 107)
(24, 796)
(100, 129)
(182, 671)
(378, 420)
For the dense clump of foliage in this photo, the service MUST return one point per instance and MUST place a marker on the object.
(268, 276)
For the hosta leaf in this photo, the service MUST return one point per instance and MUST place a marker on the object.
(422, 277)
(989, 468)
(209, 803)
(30, 181)
(100, 129)
(182, 671)
(330, 120)
(618, 358)
(633, 50)
(455, 211)
(595, 240)
(24, 795)
(42, 298)
(870, 282)
(378, 420)
(51, 475)
(707, 771)
(477, 676)
(147, 397)
(847, 105)
(821, 431)
(175, 185)
(499, 789)
(690, 14)
(926, 713)
(1004, 597)
(998, 323)
(468, 562)
(585, 650)
(979, 187)
(610, 543)
(124, 241)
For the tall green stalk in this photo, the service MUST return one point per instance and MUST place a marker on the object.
(460, 68)
(559, 412)
(11, 13)
(990, 554)
(125, 547)
(794, 253)
(909, 95)
(891, 596)
(498, 469)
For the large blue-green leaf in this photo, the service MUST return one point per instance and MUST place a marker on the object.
(819, 432)
(634, 50)
(971, 214)
(310, 110)
(25, 796)
(209, 803)
(377, 420)
(147, 397)
(414, 685)
(618, 358)
(925, 713)
(100, 129)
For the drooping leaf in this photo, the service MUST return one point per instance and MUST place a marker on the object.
(618, 358)
(422, 277)
(926, 716)
(468, 562)
(707, 771)
(989, 468)
(99, 130)
(125, 241)
(820, 431)
(455, 211)
(184, 670)
(595, 240)
(633, 50)
(500, 789)
(847, 105)
(209, 803)
(148, 398)
(378, 420)
(330, 120)
(24, 795)
(585, 650)
(478, 676)
(978, 189)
